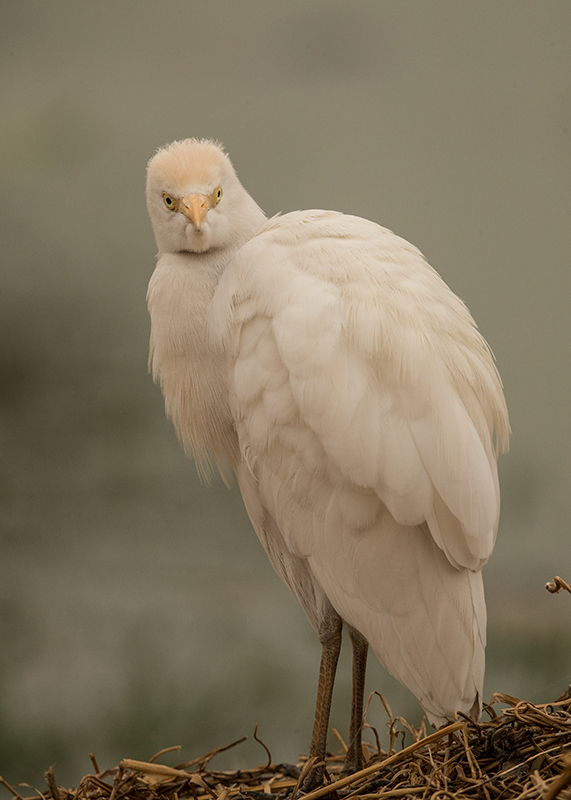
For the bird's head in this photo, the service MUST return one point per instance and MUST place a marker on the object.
(195, 200)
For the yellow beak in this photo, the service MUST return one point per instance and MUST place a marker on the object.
(194, 206)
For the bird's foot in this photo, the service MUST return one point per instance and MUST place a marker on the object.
(312, 775)
(353, 761)
(349, 769)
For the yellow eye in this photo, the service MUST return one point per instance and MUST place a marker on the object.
(170, 202)
(215, 197)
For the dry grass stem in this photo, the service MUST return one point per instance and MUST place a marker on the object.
(557, 584)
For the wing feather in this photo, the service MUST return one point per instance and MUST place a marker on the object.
(368, 409)
(349, 326)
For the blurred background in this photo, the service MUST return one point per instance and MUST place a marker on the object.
(137, 608)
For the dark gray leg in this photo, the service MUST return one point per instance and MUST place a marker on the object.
(354, 757)
(330, 638)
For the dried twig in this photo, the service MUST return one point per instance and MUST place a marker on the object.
(10, 789)
(557, 584)
(51, 781)
(269, 755)
(562, 782)
(162, 752)
(203, 760)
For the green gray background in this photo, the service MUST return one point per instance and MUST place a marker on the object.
(137, 607)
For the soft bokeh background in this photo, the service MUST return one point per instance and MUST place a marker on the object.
(137, 607)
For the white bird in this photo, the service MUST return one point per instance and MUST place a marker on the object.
(323, 359)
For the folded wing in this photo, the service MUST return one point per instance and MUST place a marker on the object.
(369, 413)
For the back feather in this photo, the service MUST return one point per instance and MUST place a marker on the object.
(369, 412)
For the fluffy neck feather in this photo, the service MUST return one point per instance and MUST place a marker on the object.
(191, 373)
(192, 377)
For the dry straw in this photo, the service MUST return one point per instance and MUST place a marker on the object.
(520, 751)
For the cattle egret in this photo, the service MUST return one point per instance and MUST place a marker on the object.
(321, 358)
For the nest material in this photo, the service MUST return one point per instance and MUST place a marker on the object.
(524, 751)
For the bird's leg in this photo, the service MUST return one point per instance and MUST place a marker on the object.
(330, 638)
(354, 757)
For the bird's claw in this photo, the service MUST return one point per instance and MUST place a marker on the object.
(312, 775)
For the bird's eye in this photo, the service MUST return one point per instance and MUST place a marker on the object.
(216, 196)
(170, 202)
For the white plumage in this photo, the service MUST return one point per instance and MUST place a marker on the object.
(329, 365)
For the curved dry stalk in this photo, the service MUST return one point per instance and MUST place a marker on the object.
(557, 584)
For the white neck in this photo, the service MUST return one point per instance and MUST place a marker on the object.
(191, 374)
